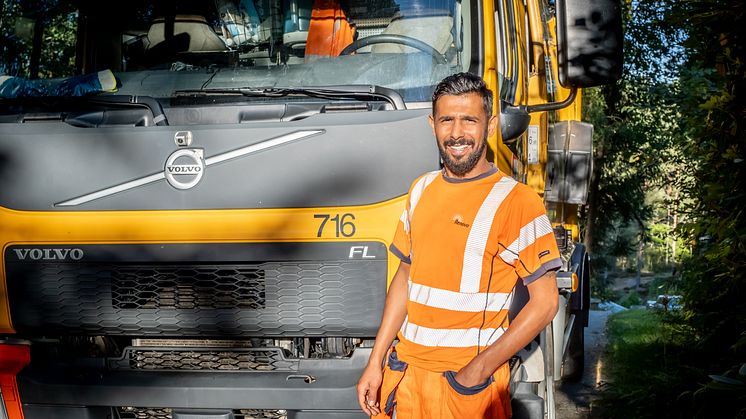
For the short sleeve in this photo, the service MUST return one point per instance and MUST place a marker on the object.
(533, 249)
(400, 246)
(402, 243)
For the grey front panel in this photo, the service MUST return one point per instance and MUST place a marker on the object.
(332, 390)
(201, 290)
(341, 159)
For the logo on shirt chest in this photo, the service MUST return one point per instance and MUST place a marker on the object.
(458, 219)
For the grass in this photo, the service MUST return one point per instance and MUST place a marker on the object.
(649, 354)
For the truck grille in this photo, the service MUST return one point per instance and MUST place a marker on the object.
(165, 413)
(199, 290)
(187, 287)
(202, 359)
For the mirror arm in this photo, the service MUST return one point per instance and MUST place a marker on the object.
(553, 106)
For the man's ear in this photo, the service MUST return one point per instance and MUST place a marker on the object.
(432, 122)
(492, 125)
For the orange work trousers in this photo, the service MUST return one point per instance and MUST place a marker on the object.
(408, 392)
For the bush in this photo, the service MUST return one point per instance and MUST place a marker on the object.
(650, 358)
(631, 299)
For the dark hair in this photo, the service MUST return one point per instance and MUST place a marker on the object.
(462, 83)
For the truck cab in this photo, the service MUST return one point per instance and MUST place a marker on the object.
(199, 196)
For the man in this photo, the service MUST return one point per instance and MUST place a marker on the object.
(468, 233)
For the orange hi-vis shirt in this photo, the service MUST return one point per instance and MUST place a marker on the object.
(468, 242)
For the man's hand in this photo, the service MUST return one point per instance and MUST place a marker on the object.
(535, 315)
(394, 313)
(472, 374)
(367, 390)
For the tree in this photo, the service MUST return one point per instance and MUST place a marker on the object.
(675, 124)
(37, 38)
(636, 142)
(714, 103)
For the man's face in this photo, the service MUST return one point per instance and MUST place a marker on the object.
(461, 129)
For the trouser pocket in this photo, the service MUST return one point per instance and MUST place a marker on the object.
(475, 402)
(392, 375)
(463, 390)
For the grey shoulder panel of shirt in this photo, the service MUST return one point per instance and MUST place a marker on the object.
(398, 253)
(548, 266)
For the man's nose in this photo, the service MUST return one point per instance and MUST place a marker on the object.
(458, 129)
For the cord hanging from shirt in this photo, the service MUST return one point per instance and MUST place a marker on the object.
(487, 297)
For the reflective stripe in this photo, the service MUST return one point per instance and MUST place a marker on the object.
(418, 189)
(404, 324)
(537, 228)
(456, 301)
(405, 220)
(471, 272)
(414, 198)
(451, 338)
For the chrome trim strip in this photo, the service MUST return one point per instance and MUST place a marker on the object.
(111, 191)
(219, 158)
(272, 142)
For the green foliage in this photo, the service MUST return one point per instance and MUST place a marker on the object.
(637, 132)
(56, 22)
(696, 196)
(714, 280)
(58, 53)
(726, 393)
(631, 299)
(655, 369)
(638, 165)
(667, 283)
(645, 353)
(602, 291)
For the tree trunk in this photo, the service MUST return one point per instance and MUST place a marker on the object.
(673, 229)
(35, 59)
(589, 238)
(638, 279)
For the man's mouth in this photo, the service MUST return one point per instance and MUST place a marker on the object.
(460, 148)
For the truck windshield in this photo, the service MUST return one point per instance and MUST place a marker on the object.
(156, 48)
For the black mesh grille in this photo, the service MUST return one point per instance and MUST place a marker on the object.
(198, 359)
(165, 413)
(201, 290)
(187, 287)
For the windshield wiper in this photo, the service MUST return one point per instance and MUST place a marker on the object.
(141, 101)
(353, 91)
(62, 107)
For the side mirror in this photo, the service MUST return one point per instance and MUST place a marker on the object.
(514, 121)
(589, 39)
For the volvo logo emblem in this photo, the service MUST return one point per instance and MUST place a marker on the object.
(184, 168)
(49, 254)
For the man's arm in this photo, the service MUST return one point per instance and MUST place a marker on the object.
(394, 312)
(535, 315)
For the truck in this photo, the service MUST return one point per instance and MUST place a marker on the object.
(198, 196)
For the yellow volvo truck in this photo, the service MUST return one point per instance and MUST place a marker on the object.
(200, 229)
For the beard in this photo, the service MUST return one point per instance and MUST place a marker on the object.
(465, 164)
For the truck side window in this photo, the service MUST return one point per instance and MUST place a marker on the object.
(38, 43)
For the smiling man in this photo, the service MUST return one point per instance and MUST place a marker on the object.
(467, 235)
